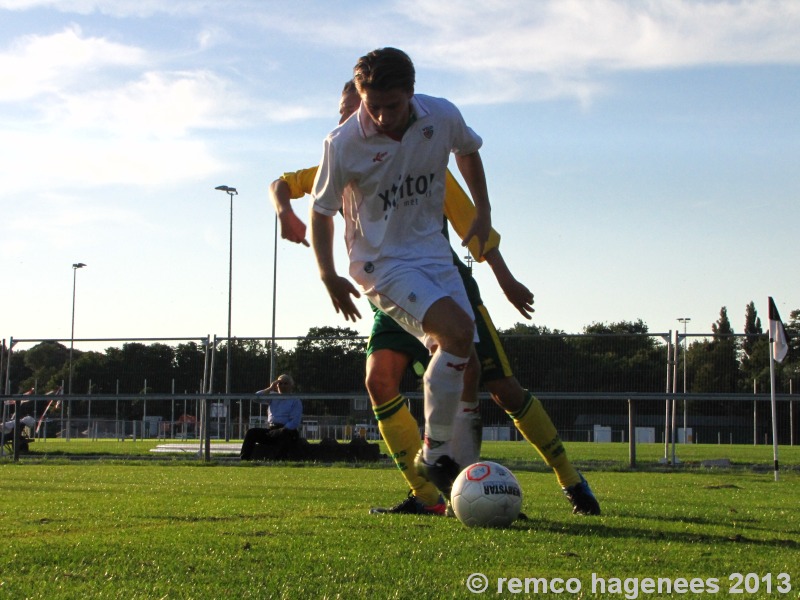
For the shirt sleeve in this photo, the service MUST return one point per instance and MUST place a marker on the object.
(327, 191)
(300, 182)
(460, 211)
(465, 140)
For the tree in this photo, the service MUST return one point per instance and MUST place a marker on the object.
(722, 327)
(90, 369)
(48, 365)
(754, 365)
(135, 363)
(752, 329)
(20, 376)
(621, 357)
(714, 363)
(793, 331)
(250, 365)
(610, 357)
(537, 355)
(330, 359)
(188, 367)
(789, 369)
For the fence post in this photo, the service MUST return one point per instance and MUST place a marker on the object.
(674, 402)
(145, 433)
(16, 435)
(668, 403)
(631, 434)
(172, 417)
(791, 416)
(207, 428)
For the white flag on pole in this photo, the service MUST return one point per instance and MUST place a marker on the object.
(777, 333)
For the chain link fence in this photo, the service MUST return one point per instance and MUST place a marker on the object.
(680, 388)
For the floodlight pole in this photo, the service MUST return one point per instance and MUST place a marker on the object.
(231, 191)
(684, 320)
(75, 267)
(274, 296)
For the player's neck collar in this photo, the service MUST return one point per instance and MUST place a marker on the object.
(412, 118)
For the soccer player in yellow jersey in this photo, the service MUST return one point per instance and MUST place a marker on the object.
(391, 350)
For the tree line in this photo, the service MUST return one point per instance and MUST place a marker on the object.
(604, 358)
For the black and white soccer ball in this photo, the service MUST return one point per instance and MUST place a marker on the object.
(486, 494)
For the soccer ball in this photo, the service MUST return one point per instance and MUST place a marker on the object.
(486, 494)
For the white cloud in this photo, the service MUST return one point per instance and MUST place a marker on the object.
(65, 127)
(527, 51)
(128, 133)
(158, 105)
(39, 64)
(56, 218)
(93, 109)
(116, 8)
(561, 36)
(58, 159)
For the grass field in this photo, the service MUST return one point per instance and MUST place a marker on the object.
(175, 528)
(586, 454)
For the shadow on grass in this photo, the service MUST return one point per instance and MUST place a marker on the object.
(599, 530)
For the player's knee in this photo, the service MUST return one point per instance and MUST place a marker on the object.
(452, 328)
(507, 393)
(462, 336)
(381, 387)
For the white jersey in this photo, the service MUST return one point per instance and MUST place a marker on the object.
(392, 192)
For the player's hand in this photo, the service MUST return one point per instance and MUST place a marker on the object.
(480, 228)
(519, 295)
(340, 289)
(292, 228)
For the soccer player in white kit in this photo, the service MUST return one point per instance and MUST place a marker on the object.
(385, 170)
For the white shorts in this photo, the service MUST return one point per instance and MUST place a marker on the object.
(406, 294)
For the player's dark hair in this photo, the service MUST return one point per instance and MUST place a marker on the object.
(384, 69)
(349, 87)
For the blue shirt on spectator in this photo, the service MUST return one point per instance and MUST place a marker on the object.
(285, 411)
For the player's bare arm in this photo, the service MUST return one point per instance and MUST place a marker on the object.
(340, 289)
(292, 228)
(460, 212)
(471, 168)
(516, 292)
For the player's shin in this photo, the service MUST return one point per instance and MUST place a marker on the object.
(467, 433)
(400, 432)
(535, 425)
(444, 383)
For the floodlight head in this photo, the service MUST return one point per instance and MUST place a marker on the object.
(227, 189)
(78, 265)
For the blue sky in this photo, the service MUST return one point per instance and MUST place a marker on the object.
(642, 157)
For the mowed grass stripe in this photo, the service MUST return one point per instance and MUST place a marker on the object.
(111, 530)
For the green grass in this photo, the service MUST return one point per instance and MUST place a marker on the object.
(586, 454)
(183, 529)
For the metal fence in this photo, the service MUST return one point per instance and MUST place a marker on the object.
(172, 389)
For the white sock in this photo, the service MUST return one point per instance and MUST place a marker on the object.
(465, 446)
(443, 383)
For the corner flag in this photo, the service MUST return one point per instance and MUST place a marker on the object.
(777, 334)
(777, 339)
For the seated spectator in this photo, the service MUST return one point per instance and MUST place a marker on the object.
(283, 421)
